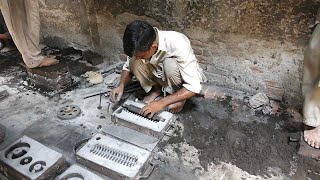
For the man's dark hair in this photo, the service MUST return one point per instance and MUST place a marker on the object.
(138, 37)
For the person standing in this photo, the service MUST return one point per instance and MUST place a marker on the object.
(5, 37)
(311, 88)
(23, 22)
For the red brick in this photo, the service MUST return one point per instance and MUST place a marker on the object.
(212, 93)
(202, 59)
(272, 83)
(256, 69)
(274, 92)
(207, 53)
(197, 50)
(196, 43)
(199, 43)
(276, 109)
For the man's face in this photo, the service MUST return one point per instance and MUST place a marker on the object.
(148, 54)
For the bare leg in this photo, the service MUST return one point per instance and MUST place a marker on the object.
(153, 94)
(312, 137)
(23, 22)
(311, 89)
(176, 107)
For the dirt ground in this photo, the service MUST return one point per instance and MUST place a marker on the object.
(253, 142)
(216, 138)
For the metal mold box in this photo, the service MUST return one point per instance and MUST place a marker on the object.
(114, 158)
(28, 159)
(139, 123)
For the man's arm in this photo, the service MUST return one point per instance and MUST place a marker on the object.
(117, 92)
(125, 78)
(155, 106)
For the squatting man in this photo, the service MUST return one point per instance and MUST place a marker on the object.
(164, 63)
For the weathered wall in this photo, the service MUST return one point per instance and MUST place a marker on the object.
(246, 45)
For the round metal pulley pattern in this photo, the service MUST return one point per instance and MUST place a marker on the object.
(69, 112)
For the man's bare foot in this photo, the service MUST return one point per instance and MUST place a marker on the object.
(155, 92)
(312, 137)
(176, 107)
(48, 61)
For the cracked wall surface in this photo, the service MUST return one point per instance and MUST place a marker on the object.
(253, 46)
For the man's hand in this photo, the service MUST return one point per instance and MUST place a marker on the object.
(176, 100)
(150, 109)
(116, 94)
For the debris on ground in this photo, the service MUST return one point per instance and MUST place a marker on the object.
(119, 68)
(93, 77)
(3, 94)
(92, 57)
(262, 103)
(267, 109)
(258, 100)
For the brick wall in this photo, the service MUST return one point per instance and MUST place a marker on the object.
(252, 65)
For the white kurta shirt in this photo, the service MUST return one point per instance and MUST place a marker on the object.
(176, 45)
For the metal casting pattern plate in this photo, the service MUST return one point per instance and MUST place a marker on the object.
(113, 157)
(139, 123)
(69, 112)
(28, 159)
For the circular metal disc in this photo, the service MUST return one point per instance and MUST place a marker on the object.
(69, 112)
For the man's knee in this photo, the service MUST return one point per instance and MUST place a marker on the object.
(171, 68)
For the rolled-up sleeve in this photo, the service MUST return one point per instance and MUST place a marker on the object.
(191, 76)
(126, 66)
(191, 73)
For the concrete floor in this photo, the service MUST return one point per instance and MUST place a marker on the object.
(220, 138)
